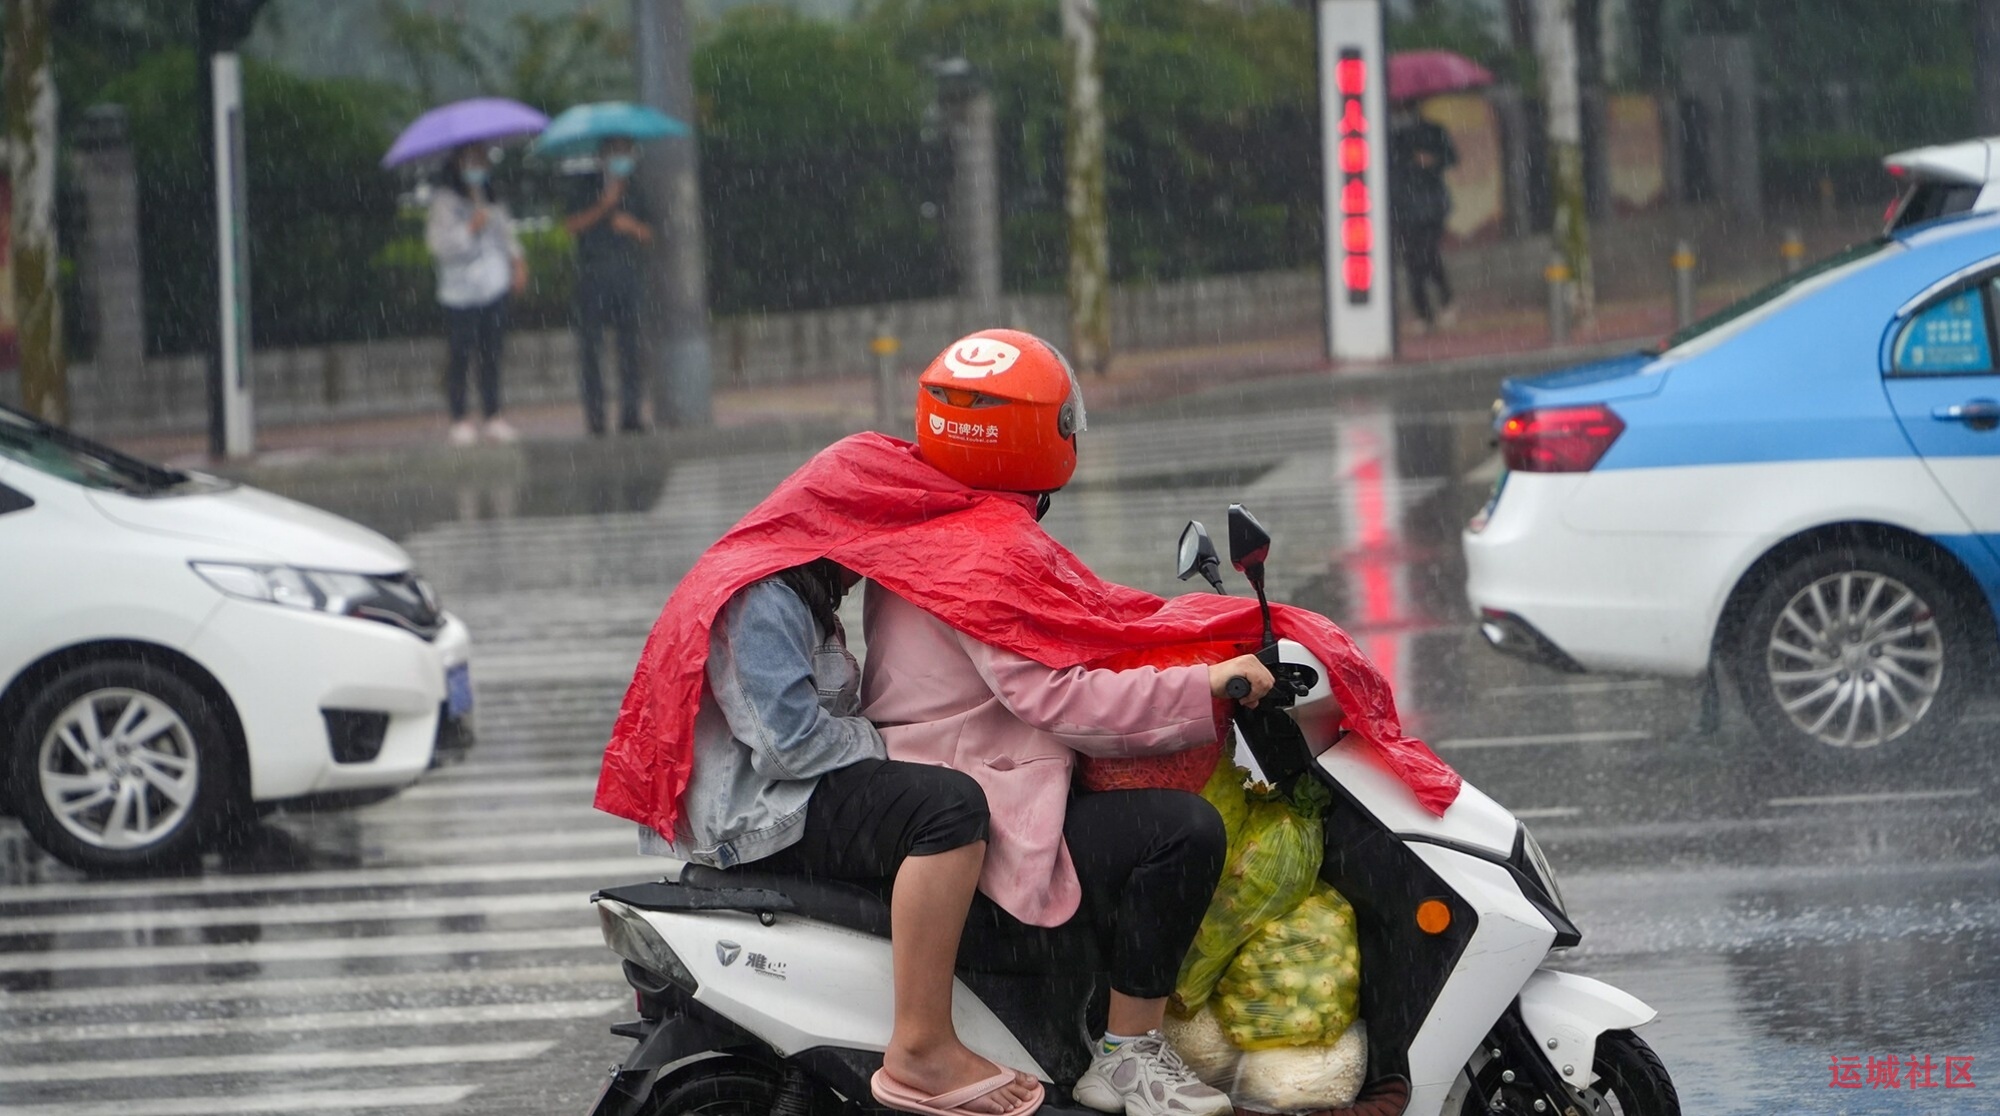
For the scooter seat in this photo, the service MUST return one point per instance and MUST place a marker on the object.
(825, 900)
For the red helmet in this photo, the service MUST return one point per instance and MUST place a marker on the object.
(1000, 409)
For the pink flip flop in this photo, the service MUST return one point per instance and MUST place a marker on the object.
(897, 1095)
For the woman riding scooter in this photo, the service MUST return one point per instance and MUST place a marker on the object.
(787, 776)
(999, 411)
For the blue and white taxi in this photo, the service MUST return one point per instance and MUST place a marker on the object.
(1802, 490)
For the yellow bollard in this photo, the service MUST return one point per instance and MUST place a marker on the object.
(889, 403)
(1683, 262)
(1793, 252)
(1557, 276)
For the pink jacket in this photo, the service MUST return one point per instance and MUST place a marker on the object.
(1015, 726)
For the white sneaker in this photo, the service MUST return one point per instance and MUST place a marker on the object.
(1144, 1077)
(499, 430)
(463, 433)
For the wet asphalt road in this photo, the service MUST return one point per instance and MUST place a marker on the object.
(436, 953)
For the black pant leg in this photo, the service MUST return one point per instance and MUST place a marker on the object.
(865, 819)
(492, 339)
(588, 316)
(631, 386)
(1148, 861)
(461, 327)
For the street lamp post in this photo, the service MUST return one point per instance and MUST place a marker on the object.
(677, 329)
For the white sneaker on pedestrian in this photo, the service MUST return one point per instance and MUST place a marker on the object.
(463, 433)
(1145, 1077)
(499, 430)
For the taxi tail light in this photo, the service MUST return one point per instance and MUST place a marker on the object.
(1558, 439)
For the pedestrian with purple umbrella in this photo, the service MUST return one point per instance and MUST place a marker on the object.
(479, 266)
(471, 238)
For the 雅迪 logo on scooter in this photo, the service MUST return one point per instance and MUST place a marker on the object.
(978, 357)
(727, 952)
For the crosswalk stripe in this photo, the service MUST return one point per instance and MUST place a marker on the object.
(309, 949)
(397, 838)
(289, 1062)
(580, 786)
(314, 1021)
(413, 907)
(291, 990)
(624, 869)
(310, 1100)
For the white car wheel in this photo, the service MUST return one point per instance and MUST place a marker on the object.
(1852, 649)
(119, 769)
(122, 765)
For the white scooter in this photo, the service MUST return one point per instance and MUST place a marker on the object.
(759, 993)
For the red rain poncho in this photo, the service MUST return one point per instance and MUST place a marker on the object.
(979, 562)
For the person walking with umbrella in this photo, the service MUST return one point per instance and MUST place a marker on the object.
(479, 266)
(471, 239)
(611, 224)
(1420, 152)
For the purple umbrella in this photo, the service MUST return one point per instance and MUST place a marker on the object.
(1426, 73)
(479, 120)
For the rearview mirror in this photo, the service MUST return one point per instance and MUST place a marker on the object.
(1249, 543)
(1197, 555)
(1194, 544)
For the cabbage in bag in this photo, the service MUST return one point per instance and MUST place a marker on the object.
(1224, 791)
(1270, 869)
(1301, 1079)
(1297, 981)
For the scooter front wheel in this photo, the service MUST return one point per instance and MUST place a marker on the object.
(1631, 1081)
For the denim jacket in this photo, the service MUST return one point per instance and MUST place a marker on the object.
(781, 708)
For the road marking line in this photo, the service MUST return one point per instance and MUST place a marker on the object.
(1883, 796)
(413, 907)
(290, 991)
(304, 949)
(1606, 686)
(624, 869)
(315, 1021)
(339, 1100)
(580, 786)
(1533, 812)
(1616, 737)
(288, 1062)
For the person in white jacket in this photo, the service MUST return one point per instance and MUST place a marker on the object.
(479, 265)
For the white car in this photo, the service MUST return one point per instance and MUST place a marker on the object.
(1943, 180)
(180, 653)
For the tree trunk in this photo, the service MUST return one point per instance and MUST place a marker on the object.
(30, 100)
(1986, 65)
(1555, 49)
(1089, 234)
(1521, 24)
(1649, 42)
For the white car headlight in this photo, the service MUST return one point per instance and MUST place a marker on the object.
(403, 600)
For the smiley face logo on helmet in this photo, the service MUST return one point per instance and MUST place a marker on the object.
(978, 357)
(937, 424)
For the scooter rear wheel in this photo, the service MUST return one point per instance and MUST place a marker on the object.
(727, 1090)
(1631, 1081)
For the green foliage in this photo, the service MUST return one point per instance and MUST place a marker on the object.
(1210, 113)
(814, 171)
(319, 207)
(549, 62)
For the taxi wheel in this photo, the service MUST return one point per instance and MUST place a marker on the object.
(121, 766)
(1855, 652)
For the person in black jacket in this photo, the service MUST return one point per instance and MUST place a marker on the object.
(1420, 151)
(609, 222)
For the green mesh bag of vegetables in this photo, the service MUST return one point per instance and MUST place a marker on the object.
(1297, 981)
(1273, 863)
(1224, 791)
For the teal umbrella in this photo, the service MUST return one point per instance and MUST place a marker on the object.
(578, 130)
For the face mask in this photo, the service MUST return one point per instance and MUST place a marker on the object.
(620, 166)
(476, 176)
